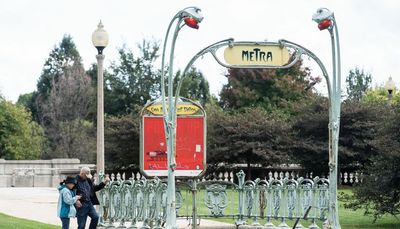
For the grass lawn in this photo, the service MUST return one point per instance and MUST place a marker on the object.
(9, 222)
(356, 220)
(349, 219)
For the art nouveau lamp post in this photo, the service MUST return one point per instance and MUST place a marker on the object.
(390, 86)
(326, 20)
(191, 17)
(100, 41)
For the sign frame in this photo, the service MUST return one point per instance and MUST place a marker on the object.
(147, 114)
(294, 53)
(256, 53)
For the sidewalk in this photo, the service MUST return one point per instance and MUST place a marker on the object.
(40, 204)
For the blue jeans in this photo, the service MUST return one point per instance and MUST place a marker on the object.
(65, 223)
(83, 212)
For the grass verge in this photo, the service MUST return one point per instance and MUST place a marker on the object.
(10, 222)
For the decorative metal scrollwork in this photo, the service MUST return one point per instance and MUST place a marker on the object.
(216, 199)
(130, 203)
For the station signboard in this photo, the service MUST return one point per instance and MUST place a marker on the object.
(271, 55)
(190, 141)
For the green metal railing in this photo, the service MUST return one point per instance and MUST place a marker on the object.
(130, 203)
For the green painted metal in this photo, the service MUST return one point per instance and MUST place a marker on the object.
(216, 199)
(154, 203)
(142, 203)
(170, 114)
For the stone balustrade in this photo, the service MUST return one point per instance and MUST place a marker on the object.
(37, 173)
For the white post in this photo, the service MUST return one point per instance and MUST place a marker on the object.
(100, 114)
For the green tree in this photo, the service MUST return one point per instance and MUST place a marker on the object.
(26, 100)
(358, 83)
(77, 139)
(251, 136)
(268, 88)
(121, 144)
(359, 122)
(132, 80)
(379, 95)
(66, 113)
(20, 137)
(194, 86)
(63, 55)
(379, 191)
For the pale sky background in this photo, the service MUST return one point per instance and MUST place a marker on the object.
(369, 33)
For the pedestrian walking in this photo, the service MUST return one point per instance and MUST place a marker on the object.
(66, 201)
(85, 206)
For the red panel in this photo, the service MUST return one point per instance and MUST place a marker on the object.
(189, 144)
(189, 136)
(154, 145)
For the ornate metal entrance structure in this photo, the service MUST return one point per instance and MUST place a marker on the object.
(149, 202)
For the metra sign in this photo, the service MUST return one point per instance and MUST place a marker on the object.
(257, 55)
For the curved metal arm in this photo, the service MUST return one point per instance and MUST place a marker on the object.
(182, 13)
(299, 51)
(339, 68)
(335, 126)
(321, 15)
(169, 124)
(334, 81)
(211, 48)
(304, 51)
(163, 61)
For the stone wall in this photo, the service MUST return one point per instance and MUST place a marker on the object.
(37, 173)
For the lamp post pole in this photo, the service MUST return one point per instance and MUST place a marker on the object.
(390, 86)
(100, 114)
(191, 17)
(326, 20)
(100, 41)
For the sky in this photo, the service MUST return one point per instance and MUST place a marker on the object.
(29, 30)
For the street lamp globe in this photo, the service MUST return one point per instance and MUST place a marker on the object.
(390, 86)
(193, 12)
(192, 17)
(323, 17)
(100, 38)
(322, 14)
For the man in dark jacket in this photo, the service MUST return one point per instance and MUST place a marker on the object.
(85, 206)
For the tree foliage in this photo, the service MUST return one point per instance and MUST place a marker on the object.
(26, 100)
(132, 80)
(251, 136)
(194, 86)
(122, 142)
(62, 55)
(358, 126)
(267, 88)
(379, 95)
(20, 137)
(310, 146)
(65, 115)
(379, 192)
(358, 83)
